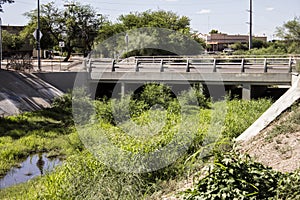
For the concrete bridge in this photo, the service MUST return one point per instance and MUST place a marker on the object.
(252, 75)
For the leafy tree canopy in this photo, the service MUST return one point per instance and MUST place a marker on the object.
(3, 2)
(11, 41)
(214, 31)
(161, 21)
(77, 25)
(158, 19)
(290, 32)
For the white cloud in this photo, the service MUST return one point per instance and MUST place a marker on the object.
(204, 11)
(171, 0)
(269, 8)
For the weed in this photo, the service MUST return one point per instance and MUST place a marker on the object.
(82, 176)
(236, 177)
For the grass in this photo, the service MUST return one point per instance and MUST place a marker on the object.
(41, 131)
(82, 176)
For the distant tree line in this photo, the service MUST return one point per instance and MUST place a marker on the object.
(289, 43)
(81, 28)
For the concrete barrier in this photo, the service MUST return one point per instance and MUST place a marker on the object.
(283, 103)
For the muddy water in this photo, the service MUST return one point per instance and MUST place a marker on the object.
(34, 165)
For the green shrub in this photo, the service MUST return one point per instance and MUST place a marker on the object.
(63, 102)
(289, 186)
(236, 177)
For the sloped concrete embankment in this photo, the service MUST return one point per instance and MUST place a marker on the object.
(21, 92)
(283, 103)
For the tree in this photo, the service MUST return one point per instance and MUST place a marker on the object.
(11, 41)
(80, 26)
(162, 22)
(158, 19)
(48, 40)
(3, 2)
(256, 43)
(290, 32)
(214, 31)
(238, 46)
(77, 25)
(201, 41)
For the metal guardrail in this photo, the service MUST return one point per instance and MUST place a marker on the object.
(193, 65)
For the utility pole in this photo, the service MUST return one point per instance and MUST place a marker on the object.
(38, 37)
(250, 24)
(0, 42)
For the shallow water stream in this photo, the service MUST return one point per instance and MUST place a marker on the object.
(34, 165)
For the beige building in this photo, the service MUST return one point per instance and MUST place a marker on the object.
(220, 41)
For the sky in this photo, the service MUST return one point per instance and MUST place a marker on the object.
(227, 16)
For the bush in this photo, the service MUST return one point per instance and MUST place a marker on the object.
(289, 186)
(20, 63)
(236, 177)
(63, 102)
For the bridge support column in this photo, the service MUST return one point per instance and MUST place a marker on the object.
(246, 92)
(122, 89)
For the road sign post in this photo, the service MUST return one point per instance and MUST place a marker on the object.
(37, 34)
(61, 44)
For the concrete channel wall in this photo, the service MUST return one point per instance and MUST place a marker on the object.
(283, 103)
(21, 92)
(63, 81)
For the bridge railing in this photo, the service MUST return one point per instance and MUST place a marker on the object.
(193, 65)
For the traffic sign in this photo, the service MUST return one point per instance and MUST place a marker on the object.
(35, 34)
(61, 44)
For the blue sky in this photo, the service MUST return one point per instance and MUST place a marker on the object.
(227, 16)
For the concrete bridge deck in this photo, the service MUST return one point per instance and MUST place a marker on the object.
(246, 72)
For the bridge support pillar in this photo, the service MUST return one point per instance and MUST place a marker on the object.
(246, 92)
(122, 89)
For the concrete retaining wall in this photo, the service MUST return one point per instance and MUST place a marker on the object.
(64, 81)
(283, 103)
(21, 92)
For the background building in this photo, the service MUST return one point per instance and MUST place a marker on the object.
(220, 41)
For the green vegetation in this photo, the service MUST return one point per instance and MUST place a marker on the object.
(270, 48)
(235, 176)
(150, 33)
(3, 2)
(287, 44)
(49, 130)
(76, 25)
(11, 41)
(289, 33)
(80, 27)
(82, 176)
